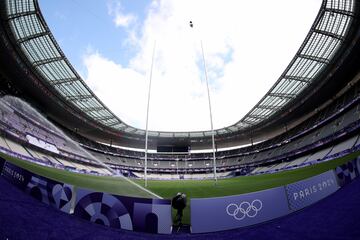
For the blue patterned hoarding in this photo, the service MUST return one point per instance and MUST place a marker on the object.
(56, 194)
(311, 190)
(347, 172)
(137, 214)
(207, 214)
(222, 213)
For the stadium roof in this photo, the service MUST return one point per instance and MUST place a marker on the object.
(321, 44)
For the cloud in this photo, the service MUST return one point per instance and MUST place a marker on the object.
(123, 20)
(120, 18)
(123, 90)
(247, 45)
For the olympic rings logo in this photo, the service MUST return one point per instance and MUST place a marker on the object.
(239, 212)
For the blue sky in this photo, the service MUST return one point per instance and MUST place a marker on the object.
(247, 45)
(79, 25)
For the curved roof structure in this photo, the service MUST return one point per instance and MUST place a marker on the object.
(321, 45)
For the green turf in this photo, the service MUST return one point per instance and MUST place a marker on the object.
(115, 185)
(193, 188)
(238, 185)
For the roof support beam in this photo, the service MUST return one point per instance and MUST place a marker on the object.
(298, 79)
(92, 109)
(268, 107)
(314, 58)
(257, 117)
(21, 14)
(47, 60)
(330, 34)
(64, 80)
(114, 124)
(282, 95)
(248, 122)
(30, 37)
(104, 118)
(78, 97)
(115, 121)
(339, 11)
(129, 129)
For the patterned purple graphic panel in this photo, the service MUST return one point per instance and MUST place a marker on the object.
(56, 194)
(138, 214)
(348, 171)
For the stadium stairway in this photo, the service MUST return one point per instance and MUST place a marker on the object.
(335, 217)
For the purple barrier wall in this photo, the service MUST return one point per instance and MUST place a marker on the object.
(347, 172)
(207, 214)
(138, 214)
(2, 162)
(222, 213)
(311, 190)
(216, 214)
(56, 194)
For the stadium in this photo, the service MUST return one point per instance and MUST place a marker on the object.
(72, 169)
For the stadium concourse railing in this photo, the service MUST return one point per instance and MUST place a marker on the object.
(38, 46)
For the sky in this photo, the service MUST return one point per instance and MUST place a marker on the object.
(246, 45)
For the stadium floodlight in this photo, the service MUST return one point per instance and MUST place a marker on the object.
(147, 115)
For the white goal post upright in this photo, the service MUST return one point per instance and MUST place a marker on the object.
(211, 118)
(147, 116)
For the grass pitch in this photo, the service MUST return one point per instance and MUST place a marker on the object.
(192, 188)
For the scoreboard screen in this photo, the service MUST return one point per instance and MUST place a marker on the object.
(173, 149)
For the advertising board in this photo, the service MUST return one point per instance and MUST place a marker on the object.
(222, 213)
(137, 214)
(56, 194)
(303, 193)
(347, 172)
